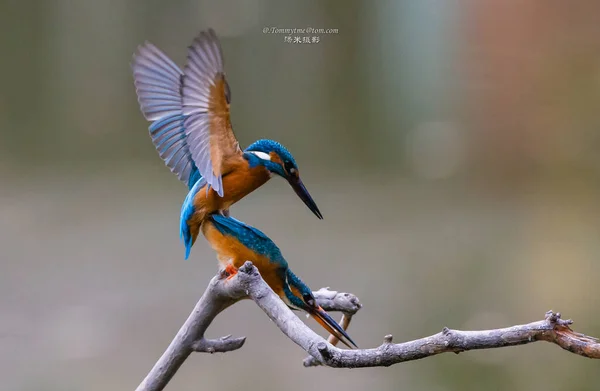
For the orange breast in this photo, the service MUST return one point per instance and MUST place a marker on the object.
(230, 251)
(240, 181)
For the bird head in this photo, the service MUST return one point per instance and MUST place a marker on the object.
(300, 297)
(277, 159)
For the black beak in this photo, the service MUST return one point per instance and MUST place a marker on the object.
(299, 188)
(332, 326)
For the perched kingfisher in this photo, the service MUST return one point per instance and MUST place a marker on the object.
(236, 242)
(191, 130)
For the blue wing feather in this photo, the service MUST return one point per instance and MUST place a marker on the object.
(187, 210)
(203, 69)
(158, 83)
(178, 106)
(249, 237)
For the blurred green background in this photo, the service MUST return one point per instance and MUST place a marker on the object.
(452, 147)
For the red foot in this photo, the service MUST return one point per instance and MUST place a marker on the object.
(231, 270)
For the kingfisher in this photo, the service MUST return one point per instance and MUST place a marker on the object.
(192, 132)
(236, 242)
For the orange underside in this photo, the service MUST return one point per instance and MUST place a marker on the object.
(232, 254)
(239, 181)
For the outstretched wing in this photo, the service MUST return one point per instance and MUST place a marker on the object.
(206, 99)
(158, 84)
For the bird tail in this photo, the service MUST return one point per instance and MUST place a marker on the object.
(189, 234)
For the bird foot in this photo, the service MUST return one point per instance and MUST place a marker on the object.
(231, 271)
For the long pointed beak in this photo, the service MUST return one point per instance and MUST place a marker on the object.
(332, 326)
(299, 188)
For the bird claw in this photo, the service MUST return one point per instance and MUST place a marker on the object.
(231, 271)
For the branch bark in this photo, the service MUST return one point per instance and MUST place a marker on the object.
(247, 283)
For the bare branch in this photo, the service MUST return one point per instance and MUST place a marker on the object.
(247, 283)
(337, 301)
(347, 303)
(221, 345)
(551, 329)
(219, 295)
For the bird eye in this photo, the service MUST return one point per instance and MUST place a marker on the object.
(289, 167)
(309, 299)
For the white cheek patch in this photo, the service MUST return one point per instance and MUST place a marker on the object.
(262, 155)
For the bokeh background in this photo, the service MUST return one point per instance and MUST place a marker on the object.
(452, 146)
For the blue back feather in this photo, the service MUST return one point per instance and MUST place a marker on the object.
(195, 177)
(261, 244)
(249, 237)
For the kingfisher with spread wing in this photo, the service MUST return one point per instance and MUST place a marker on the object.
(191, 130)
(236, 242)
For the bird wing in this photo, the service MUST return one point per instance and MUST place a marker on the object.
(206, 99)
(158, 83)
(251, 237)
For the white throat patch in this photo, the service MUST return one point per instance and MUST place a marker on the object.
(262, 155)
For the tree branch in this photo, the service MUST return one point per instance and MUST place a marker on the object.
(551, 329)
(219, 295)
(346, 303)
(337, 301)
(247, 283)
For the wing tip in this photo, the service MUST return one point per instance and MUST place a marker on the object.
(208, 42)
(140, 48)
(216, 183)
(220, 182)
